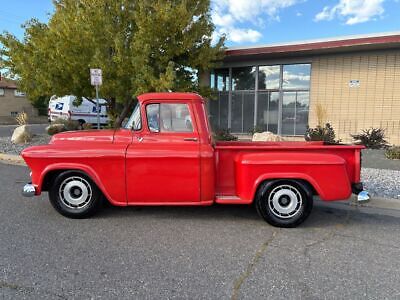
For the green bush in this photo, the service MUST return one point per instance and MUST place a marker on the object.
(256, 129)
(373, 138)
(224, 135)
(393, 152)
(61, 125)
(319, 133)
(52, 129)
(86, 126)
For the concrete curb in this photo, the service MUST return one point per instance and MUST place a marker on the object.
(379, 202)
(12, 159)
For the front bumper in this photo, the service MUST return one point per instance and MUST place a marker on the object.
(28, 190)
(358, 189)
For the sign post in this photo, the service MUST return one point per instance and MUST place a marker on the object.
(96, 79)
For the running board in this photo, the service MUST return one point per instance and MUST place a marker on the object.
(231, 200)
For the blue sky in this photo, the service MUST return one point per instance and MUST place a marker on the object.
(250, 22)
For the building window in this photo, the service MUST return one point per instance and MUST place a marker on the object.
(268, 77)
(268, 111)
(18, 93)
(243, 79)
(14, 114)
(220, 80)
(278, 103)
(296, 76)
(2, 92)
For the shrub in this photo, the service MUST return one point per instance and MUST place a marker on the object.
(373, 138)
(22, 118)
(256, 129)
(224, 135)
(86, 126)
(319, 133)
(393, 152)
(68, 124)
(55, 128)
(60, 125)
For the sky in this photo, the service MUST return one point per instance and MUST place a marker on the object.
(253, 22)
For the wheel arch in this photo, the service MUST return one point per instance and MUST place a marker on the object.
(307, 183)
(51, 172)
(264, 185)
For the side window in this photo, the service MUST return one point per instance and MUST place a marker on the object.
(167, 117)
(153, 117)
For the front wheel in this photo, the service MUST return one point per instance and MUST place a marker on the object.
(75, 195)
(284, 203)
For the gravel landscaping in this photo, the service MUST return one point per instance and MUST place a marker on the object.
(381, 182)
(9, 148)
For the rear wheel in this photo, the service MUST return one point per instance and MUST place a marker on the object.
(284, 203)
(74, 195)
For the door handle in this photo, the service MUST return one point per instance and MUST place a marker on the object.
(190, 139)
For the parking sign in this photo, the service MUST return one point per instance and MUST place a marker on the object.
(96, 78)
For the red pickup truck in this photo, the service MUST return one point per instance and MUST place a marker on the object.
(166, 155)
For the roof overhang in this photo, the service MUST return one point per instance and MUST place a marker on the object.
(316, 47)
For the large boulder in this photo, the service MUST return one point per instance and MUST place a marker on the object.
(21, 135)
(266, 136)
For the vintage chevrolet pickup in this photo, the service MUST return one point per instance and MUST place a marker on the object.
(166, 155)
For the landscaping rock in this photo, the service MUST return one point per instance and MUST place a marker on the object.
(21, 135)
(266, 136)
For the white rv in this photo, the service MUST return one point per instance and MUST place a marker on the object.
(64, 108)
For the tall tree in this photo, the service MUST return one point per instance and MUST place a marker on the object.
(141, 45)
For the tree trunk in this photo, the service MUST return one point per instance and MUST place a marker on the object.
(125, 111)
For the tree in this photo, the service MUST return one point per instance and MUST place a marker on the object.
(142, 46)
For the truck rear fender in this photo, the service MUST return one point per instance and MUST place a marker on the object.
(325, 173)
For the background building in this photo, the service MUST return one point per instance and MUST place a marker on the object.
(13, 101)
(278, 87)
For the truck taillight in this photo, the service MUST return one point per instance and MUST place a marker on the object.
(69, 114)
(48, 111)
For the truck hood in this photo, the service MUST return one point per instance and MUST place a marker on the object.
(101, 136)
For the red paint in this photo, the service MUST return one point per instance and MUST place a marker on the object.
(146, 168)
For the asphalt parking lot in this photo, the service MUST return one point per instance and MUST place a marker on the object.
(218, 252)
(7, 130)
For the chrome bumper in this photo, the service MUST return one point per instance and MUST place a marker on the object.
(363, 196)
(28, 190)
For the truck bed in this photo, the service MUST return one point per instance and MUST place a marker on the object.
(275, 156)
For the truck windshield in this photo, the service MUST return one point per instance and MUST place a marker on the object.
(135, 121)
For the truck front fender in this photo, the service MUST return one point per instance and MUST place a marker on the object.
(78, 167)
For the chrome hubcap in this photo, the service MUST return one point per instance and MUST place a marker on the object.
(285, 201)
(75, 192)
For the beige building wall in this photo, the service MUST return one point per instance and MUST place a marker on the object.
(11, 103)
(375, 102)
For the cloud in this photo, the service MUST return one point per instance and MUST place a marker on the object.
(235, 17)
(353, 11)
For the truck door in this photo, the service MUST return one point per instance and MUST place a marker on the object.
(163, 160)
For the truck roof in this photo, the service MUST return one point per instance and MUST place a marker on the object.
(170, 96)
